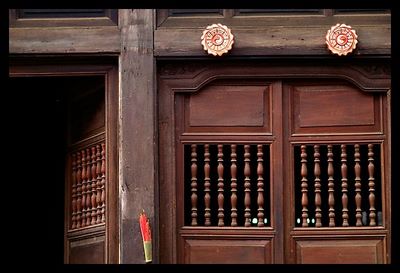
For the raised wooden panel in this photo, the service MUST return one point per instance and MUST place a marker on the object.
(227, 251)
(206, 110)
(62, 17)
(337, 105)
(87, 251)
(340, 251)
(362, 11)
(194, 12)
(336, 109)
(278, 11)
(60, 13)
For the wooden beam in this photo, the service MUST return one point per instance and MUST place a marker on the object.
(276, 40)
(137, 134)
(64, 40)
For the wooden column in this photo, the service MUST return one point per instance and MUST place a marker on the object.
(137, 135)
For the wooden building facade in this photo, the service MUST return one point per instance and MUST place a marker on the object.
(276, 152)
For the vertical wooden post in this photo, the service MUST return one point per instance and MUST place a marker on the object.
(73, 192)
(357, 184)
(220, 170)
(371, 185)
(233, 186)
(194, 184)
(331, 190)
(94, 189)
(88, 188)
(304, 186)
(345, 211)
(260, 186)
(98, 184)
(317, 173)
(207, 210)
(78, 190)
(247, 214)
(138, 171)
(103, 182)
(84, 182)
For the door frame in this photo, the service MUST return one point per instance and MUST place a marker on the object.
(108, 68)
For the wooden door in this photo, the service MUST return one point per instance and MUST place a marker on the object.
(258, 167)
(337, 150)
(74, 133)
(85, 172)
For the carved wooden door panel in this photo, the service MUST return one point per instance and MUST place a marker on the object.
(337, 146)
(256, 167)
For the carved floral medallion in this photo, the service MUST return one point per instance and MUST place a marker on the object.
(217, 39)
(341, 39)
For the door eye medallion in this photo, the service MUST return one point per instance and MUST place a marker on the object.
(341, 39)
(217, 39)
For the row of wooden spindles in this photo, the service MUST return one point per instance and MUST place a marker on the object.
(331, 185)
(88, 186)
(232, 184)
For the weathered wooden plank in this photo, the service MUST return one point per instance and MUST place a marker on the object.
(272, 41)
(65, 40)
(137, 134)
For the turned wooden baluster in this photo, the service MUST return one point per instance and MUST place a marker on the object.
(304, 186)
(357, 184)
(247, 214)
(88, 188)
(194, 184)
(207, 213)
(103, 182)
(345, 211)
(220, 186)
(233, 186)
(93, 214)
(371, 185)
(331, 190)
(84, 182)
(78, 190)
(98, 184)
(73, 194)
(317, 185)
(260, 186)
